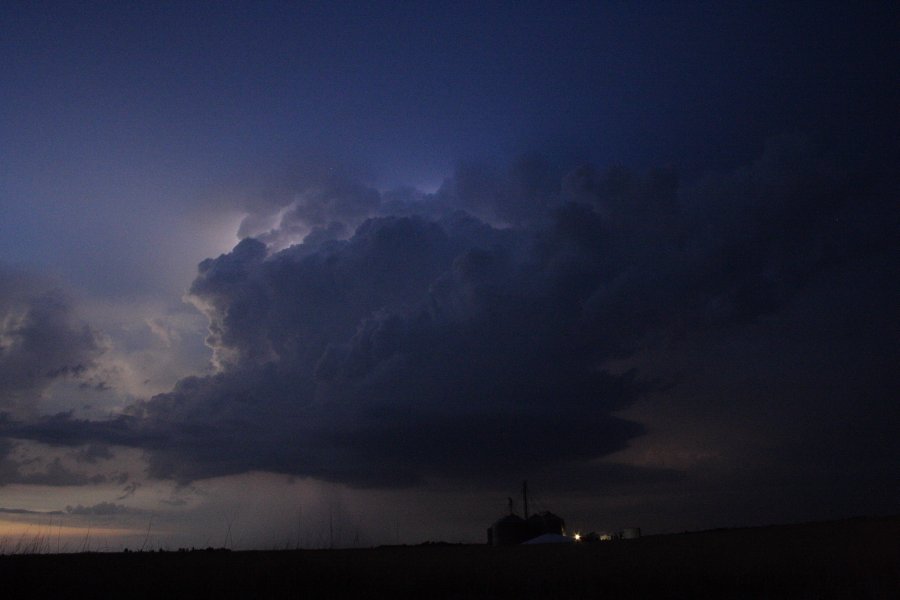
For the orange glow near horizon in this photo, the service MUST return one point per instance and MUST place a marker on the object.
(24, 537)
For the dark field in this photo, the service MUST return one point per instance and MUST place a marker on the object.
(857, 558)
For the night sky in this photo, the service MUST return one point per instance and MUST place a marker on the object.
(266, 267)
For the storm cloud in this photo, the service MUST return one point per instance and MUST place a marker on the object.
(18, 469)
(480, 329)
(42, 339)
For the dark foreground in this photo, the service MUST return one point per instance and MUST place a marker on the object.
(858, 558)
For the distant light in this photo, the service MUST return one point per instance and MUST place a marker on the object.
(577, 536)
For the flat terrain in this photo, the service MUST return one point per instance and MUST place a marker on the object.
(856, 558)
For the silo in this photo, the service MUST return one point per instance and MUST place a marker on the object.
(545, 522)
(508, 531)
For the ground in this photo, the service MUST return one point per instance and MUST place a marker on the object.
(856, 558)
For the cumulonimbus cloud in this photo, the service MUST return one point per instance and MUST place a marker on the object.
(468, 332)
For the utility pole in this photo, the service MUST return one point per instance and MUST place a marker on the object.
(330, 528)
(299, 527)
(525, 497)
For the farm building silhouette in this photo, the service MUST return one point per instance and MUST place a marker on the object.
(513, 529)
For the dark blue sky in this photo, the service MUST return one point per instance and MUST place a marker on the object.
(669, 224)
(115, 109)
(414, 86)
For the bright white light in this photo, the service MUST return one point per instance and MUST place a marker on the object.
(577, 536)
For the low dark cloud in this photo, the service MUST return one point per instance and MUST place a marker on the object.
(93, 453)
(101, 509)
(473, 333)
(23, 511)
(129, 490)
(16, 469)
(41, 340)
